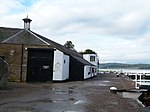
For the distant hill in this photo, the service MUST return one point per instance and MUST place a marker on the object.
(122, 65)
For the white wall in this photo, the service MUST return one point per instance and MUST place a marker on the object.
(87, 72)
(65, 67)
(60, 69)
(87, 57)
(57, 67)
(94, 72)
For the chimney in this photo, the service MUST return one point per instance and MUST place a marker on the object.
(27, 23)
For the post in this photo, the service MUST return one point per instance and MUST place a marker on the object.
(22, 46)
(140, 79)
(136, 80)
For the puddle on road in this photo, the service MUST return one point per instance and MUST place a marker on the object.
(78, 102)
(73, 87)
(72, 99)
(19, 109)
(106, 81)
(63, 92)
(46, 100)
(42, 100)
(71, 111)
(64, 100)
(59, 91)
(102, 84)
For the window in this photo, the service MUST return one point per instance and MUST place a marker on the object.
(92, 58)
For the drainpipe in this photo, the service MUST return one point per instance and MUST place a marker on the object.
(22, 46)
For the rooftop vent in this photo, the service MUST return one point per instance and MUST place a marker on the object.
(27, 23)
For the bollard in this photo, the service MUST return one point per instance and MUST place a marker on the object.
(113, 89)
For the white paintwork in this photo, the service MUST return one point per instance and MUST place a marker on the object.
(140, 81)
(60, 69)
(94, 73)
(87, 72)
(65, 67)
(87, 57)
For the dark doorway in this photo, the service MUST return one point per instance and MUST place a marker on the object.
(40, 65)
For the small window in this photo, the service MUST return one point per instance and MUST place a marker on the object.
(64, 61)
(92, 58)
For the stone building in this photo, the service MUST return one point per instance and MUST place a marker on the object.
(34, 58)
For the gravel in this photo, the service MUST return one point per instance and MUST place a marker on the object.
(102, 100)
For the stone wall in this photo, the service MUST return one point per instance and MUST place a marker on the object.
(17, 55)
(12, 54)
(3, 73)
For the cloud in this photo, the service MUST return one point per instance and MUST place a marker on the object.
(116, 30)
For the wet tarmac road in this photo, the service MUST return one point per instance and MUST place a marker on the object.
(60, 97)
(91, 95)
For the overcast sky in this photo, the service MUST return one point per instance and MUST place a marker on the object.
(118, 30)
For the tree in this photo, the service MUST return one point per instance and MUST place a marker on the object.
(88, 51)
(69, 45)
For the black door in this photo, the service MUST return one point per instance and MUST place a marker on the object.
(76, 70)
(40, 65)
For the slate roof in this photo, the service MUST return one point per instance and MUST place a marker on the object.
(28, 37)
(24, 37)
(7, 32)
(60, 47)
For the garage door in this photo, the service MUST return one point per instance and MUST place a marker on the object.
(40, 65)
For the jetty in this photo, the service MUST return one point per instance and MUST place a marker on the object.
(141, 77)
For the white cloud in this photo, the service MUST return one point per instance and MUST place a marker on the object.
(117, 30)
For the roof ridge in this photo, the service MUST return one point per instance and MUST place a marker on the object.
(12, 36)
(46, 39)
(11, 28)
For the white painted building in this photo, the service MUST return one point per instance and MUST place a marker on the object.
(60, 66)
(93, 59)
